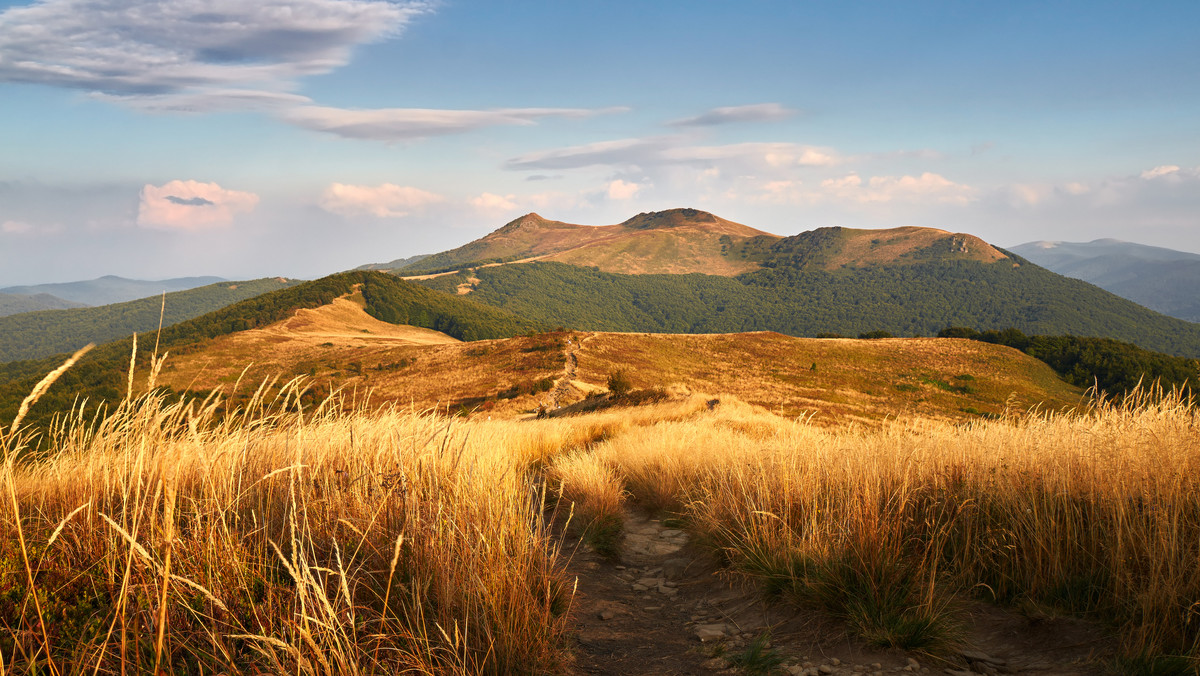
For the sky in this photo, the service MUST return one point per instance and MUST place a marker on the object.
(165, 138)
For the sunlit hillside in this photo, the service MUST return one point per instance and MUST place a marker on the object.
(835, 381)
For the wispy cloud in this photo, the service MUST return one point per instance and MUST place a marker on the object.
(758, 112)
(150, 47)
(382, 201)
(15, 228)
(400, 124)
(205, 56)
(673, 150)
(192, 205)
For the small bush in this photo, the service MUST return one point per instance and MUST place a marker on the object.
(619, 383)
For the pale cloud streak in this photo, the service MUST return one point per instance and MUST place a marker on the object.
(382, 201)
(15, 228)
(674, 150)
(192, 205)
(758, 112)
(927, 188)
(400, 124)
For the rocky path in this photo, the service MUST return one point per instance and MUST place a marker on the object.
(664, 608)
(562, 387)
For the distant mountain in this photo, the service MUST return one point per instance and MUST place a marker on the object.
(11, 303)
(682, 241)
(37, 334)
(1161, 279)
(110, 289)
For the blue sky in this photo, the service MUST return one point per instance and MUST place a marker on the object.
(156, 138)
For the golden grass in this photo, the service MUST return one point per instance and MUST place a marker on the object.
(283, 538)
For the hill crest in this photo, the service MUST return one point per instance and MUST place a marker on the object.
(685, 240)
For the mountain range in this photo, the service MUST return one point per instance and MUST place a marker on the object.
(109, 289)
(1164, 280)
(689, 271)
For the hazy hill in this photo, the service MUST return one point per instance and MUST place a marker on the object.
(111, 289)
(1161, 279)
(38, 334)
(13, 303)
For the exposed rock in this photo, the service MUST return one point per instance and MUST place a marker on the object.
(673, 569)
(711, 632)
(606, 614)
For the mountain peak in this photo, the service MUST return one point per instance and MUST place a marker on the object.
(529, 221)
(671, 218)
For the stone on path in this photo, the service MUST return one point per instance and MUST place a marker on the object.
(711, 632)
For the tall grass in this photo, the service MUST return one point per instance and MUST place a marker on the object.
(1094, 513)
(165, 538)
(183, 538)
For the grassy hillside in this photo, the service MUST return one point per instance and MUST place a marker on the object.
(797, 296)
(38, 334)
(100, 377)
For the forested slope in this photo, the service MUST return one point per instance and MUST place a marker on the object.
(792, 296)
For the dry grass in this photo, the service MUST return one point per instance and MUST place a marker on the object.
(278, 541)
(332, 540)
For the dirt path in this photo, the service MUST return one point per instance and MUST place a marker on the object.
(664, 607)
(562, 386)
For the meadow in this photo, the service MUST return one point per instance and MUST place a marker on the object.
(174, 536)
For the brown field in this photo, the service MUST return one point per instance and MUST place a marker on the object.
(834, 382)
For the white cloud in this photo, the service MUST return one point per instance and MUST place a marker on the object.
(492, 203)
(191, 205)
(1159, 172)
(15, 228)
(383, 201)
(928, 188)
(622, 190)
(398, 124)
(759, 112)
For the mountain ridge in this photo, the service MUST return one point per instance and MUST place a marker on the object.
(1162, 279)
(111, 289)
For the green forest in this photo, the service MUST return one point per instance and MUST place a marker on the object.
(1112, 366)
(32, 335)
(792, 297)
